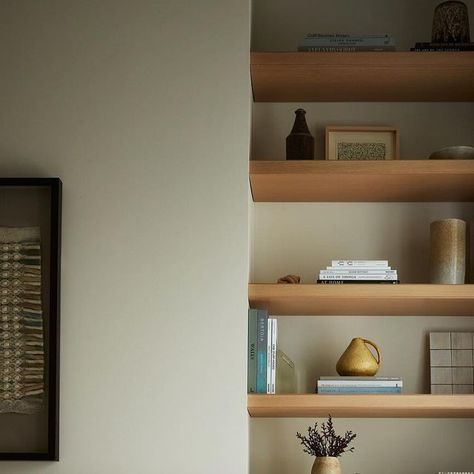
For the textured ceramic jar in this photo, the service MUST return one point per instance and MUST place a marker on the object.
(448, 251)
(326, 465)
(451, 23)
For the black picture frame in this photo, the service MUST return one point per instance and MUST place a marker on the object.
(55, 187)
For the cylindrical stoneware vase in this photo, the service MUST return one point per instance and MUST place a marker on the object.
(326, 465)
(448, 251)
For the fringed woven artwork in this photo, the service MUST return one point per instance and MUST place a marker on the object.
(21, 326)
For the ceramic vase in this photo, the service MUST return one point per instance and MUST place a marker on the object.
(357, 360)
(451, 23)
(448, 251)
(326, 465)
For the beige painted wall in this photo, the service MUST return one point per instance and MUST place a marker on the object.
(303, 238)
(142, 108)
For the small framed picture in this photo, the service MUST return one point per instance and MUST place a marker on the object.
(346, 143)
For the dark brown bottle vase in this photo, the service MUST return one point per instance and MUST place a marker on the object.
(300, 142)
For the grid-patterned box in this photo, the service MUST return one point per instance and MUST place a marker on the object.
(452, 362)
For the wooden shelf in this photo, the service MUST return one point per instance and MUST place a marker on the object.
(367, 77)
(362, 181)
(365, 300)
(362, 406)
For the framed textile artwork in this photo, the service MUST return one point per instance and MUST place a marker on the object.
(362, 143)
(30, 222)
(452, 363)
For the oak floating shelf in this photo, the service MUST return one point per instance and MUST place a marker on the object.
(366, 76)
(361, 406)
(365, 300)
(362, 181)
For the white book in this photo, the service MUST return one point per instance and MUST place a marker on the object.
(269, 353)
(370, 276)
(328, 41)
(359, 263)
(342, 268)
(274, 355)
(357, 377)
(343, 35)
(357, 277)
(360, 383)
(357, 271)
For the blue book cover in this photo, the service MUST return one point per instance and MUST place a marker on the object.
(262, 328)
(252, 352)
(359, 390)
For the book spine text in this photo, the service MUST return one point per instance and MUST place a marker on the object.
(252, 352)
(262, 320)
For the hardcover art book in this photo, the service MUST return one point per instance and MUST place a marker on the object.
(358, 271)
(261, 352)
(359, 385)
(319, 42)
(269, 369)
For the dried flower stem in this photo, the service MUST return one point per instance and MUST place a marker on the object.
(326, 442)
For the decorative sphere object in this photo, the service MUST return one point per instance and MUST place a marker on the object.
(451, 23)
(458, 152)
(448, 251)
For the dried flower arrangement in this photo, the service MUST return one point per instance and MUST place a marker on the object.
(326, 442)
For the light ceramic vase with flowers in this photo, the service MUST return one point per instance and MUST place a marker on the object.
(326, 446)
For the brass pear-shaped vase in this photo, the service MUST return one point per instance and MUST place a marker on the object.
(358, 360)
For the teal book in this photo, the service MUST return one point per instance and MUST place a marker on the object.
(252, 352)
(262, 328)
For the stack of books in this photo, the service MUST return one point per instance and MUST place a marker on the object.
(443, 47)
(262, 342)
(269, 369)
(358, 271)
(318, 42)
(359, 385)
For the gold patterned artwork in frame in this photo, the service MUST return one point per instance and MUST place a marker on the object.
(351, 143)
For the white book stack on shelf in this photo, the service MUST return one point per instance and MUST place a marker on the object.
(358, 271)
(337, 42)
